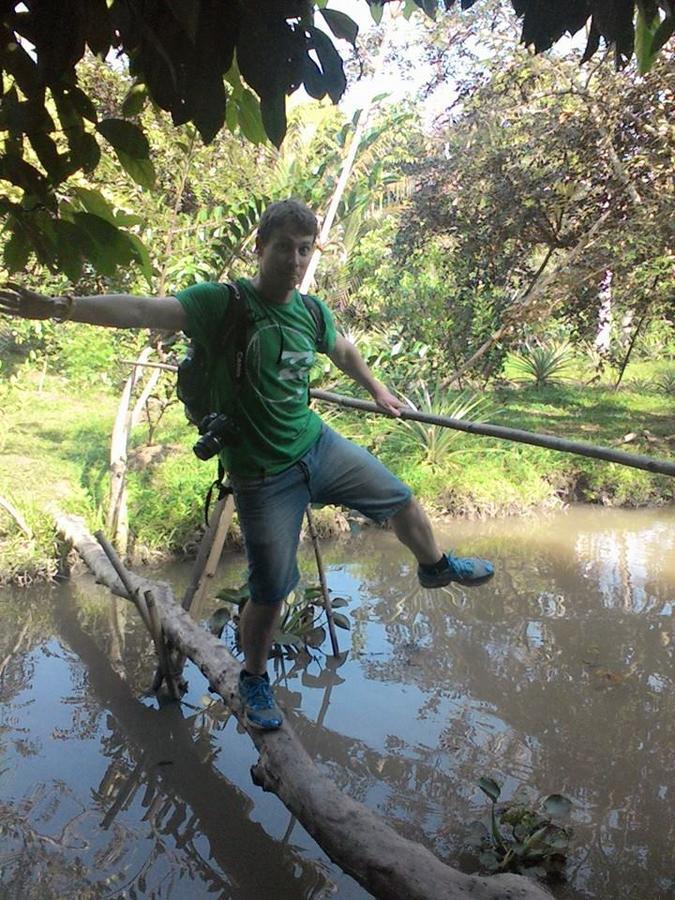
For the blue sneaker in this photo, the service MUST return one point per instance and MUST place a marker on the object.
(468, 571)
(260, 708)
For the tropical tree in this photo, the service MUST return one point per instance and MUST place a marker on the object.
(207, 63)
(540, 182)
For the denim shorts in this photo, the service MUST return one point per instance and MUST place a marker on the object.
(271, 508)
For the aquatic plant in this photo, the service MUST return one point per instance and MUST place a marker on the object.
(522, 839)
(301, 622)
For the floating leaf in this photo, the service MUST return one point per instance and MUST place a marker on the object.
(477, 834)
(286, 639)
(557, 805)
(342, 621)
(218, 620)
(490, 788)
(234, 595)
(489, 860)
(338, 602)
(334, 662)
(316, 636)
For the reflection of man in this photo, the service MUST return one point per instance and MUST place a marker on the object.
(286, 457)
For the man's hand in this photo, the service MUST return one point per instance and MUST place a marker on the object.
(387, 402)
(19, 301)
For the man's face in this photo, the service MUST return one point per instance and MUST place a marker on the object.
(283, 259)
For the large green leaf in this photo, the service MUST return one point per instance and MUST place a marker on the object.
(16, 252)
(109, 247)
(141, 170)
(186, 12)
(341, 25)
(557, 805)
(273, 109)
(94, 202)
(85, 152)
(125, 137)
(330, 63)
(250, 118)
(82, 103)
(72, 245)
(48, 154)
(142, 258)
(134, 100)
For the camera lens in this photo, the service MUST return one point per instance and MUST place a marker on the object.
(207, 446)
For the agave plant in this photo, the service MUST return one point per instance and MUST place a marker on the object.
(544, 362)
(665, 384)
(438, 441)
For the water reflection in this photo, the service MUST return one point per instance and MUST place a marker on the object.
(557, 676)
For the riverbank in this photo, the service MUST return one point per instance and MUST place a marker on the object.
(55, 445)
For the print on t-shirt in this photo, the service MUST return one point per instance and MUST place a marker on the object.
(293, 358)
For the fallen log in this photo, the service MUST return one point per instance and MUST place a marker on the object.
(355, 838)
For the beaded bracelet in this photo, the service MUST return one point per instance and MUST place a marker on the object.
(69, 310)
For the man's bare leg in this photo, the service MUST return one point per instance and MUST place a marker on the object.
(256, 630)
(436, 569)
(413, 528)
(257, 627)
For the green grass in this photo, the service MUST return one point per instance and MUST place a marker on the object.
(54, 449)
(54, 443)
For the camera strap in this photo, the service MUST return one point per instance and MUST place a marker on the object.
(235, 330)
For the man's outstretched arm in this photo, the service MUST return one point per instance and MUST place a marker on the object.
(107, 310)
(348, 359)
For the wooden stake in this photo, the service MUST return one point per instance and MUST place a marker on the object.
(136, 598)
(327, 605)
(162, 650)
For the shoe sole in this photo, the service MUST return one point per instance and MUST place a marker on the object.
(474, 582)
(260, 727)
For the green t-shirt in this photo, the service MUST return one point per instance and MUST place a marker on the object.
(277, 427)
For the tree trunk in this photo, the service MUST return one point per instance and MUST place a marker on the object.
(355, 838)
(117, 520)
(603, 336)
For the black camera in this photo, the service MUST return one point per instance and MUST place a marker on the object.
(217, 431)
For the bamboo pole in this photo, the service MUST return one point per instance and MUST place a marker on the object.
(562, 445)
(221, 513)
(327, 605)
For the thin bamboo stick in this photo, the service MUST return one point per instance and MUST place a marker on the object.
(123, 575)
(327, 605)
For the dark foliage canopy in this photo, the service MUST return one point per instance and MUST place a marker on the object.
(193, 59)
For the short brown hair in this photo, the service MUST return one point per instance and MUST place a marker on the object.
(287, 211)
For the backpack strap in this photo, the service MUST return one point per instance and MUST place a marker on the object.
(235, 330)
(313, 307)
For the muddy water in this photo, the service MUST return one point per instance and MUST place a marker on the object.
(557, 677)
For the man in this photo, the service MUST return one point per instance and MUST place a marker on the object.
(285, 457)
